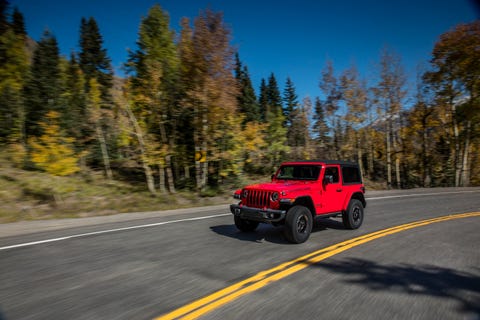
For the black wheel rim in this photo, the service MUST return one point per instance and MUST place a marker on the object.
(302, 224)
(356, 215)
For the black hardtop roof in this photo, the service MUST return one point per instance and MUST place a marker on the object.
(339, 162)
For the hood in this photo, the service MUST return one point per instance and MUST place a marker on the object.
(282, 185)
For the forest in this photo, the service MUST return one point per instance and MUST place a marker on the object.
(186, 115)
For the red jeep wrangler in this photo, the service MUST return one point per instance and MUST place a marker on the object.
(301, 191)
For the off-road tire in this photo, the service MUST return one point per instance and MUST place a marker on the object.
(353, 217)
(298, 224)
(245, 225)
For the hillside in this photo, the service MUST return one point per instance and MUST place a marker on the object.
(32, 195)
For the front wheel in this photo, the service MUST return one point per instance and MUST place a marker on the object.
(353, 217)
(298, 224)
(245, 225)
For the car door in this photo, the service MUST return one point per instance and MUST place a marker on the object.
(332, 198)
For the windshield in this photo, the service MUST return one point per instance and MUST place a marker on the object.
(299, 172)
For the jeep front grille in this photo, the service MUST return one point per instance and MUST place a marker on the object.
(258, 198)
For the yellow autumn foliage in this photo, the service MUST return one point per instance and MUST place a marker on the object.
(52, 152)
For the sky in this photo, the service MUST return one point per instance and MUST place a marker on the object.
(291, 38)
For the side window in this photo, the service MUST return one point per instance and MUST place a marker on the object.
(333, 172)
(351, 175)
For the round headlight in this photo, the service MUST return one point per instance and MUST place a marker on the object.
(274, 196)
(245, 193)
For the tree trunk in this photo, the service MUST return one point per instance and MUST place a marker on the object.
(198, 169)
(197, 135)
(456, 157)
(103, 148)
(359, 153)
(389, 156)
(396, 150)
(425, 170)
(168, 164)
(161, 178)
(465, 181)
(371, 157)
(397, 172)
(143, 155)
(204, 163)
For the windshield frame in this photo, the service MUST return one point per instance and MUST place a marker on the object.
(296, 172)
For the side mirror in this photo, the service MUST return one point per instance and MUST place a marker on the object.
(272, 177)
(327, 179)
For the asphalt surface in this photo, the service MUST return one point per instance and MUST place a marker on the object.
(143, 265)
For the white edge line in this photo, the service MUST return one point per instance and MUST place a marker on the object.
(27, 244)
(420, 194)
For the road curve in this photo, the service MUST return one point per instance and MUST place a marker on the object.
(144, 268)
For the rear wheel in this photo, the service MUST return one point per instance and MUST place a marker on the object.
(298, 224)
(245, 225)
(353, 217)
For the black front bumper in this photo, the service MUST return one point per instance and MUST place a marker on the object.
(256, 214)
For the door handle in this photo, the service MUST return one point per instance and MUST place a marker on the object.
(339, 190)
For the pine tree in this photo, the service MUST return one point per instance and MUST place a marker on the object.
(290, 99)
(75, 117)
(299, 131)
(43, 89)
(247, 100)
(320, 128)
(18, 23)
(4, 25)
(275, 132)
(94, 60)
(273, 95)
(13, 72)
(263, 101)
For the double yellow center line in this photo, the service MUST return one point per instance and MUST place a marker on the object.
(213, 301)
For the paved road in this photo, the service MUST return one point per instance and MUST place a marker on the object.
(140, 266)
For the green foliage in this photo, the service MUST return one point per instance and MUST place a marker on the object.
(43, 88)
(274, 99)
(75, 117)
(455, 81)
(13, 69)
(276, 139)
(247, 100)
(18, 23)
(94, 60)
(290, 99)
(263, 101)
(320, 127)
(3, 16)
